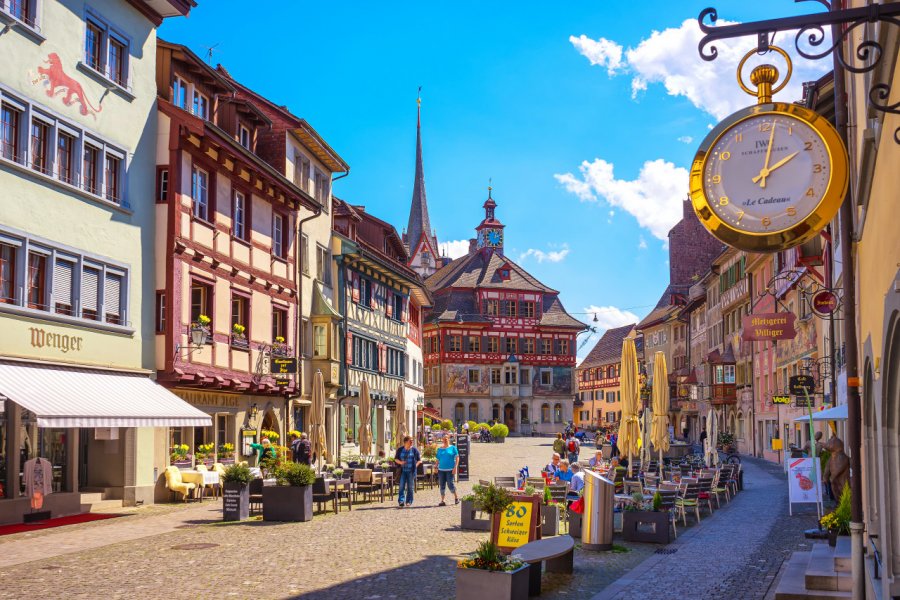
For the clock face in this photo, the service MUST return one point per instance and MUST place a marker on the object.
(494, 237)
(765, 179)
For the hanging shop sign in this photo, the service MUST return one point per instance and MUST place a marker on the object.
(802, 385)
(781, 399)
(824, 302)
(768, 327)
(282, 381)
(281, 366)
(770, 176)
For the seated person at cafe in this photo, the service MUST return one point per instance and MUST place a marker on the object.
(576, 485)
(596, 460)
(563, 475)
(613, 463)
(553, 467)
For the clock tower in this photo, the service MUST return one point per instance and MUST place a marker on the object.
(490, 230)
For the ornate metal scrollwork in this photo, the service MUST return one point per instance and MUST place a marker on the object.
(811, 36)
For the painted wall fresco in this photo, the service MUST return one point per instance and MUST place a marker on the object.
(456, 378)
(561, 384)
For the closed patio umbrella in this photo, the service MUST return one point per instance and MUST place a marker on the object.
(629, 429)
(659, 433)
(646, 420)
(365, 418)
(710, 454)
(400, 415)
(317, 419)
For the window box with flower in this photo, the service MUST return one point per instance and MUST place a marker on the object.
(180, 456)
(206, 454)
(280, 347)
(201, 331)
(226, 454)
(239, 337)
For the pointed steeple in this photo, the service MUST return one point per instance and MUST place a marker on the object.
(419, 224)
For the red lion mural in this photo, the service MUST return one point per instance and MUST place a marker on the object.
(57, 78)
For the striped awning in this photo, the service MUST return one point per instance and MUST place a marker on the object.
(74, 397)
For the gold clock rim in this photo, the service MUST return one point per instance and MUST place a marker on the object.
(821, 215)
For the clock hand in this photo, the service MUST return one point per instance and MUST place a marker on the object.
(764, 172)
(782, 161)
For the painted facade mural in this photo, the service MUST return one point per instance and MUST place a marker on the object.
(58, 81)
(560, 381)
(458, 380)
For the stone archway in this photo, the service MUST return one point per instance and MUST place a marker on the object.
(890, 450)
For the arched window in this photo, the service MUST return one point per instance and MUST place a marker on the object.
(545, 413)
(557, 413)
(473, 412)
(524, 413)
(495, 412)
(459, 413)
(739, 434)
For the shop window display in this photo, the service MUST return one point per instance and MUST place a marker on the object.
(3, 433)
(48, 444)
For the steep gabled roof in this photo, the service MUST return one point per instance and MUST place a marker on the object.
(480, 270)
(608, 349)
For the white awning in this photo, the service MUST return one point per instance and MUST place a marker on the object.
(73, 397)
(835, 413)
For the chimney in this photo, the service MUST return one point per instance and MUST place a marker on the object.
(473, 245)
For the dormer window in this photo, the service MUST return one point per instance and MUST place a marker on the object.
(244, 137)
(504, 272)
(200, 105)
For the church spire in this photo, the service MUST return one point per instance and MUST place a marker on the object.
(419, 225)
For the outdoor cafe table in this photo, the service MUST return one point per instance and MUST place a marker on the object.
(383, 480)
(201, 479)
(341, 486)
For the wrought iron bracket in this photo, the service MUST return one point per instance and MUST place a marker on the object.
(807, 289)
(810, 39)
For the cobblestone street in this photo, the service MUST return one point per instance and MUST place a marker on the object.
(378, 551)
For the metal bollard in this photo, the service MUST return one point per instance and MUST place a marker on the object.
(597, 522)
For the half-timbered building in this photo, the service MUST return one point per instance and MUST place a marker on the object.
(498, 343)
(599, 396)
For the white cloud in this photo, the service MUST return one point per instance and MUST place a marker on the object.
(642, 243)
(685, 139)
(608, 317)
(654, 198)
(553, 256)
(670, 58)
(602, 52)
(455, 248)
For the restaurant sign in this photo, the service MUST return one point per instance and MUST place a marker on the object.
(519, 524)
(801, 385)
(825, 302)
(781, 399)
(768, 327)
(283, 366)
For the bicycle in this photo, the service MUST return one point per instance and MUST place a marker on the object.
(729, 458)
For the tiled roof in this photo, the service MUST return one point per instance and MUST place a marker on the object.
(480, 270)
(608, 349)
(555, 315)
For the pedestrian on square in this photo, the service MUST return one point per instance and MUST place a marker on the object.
(409, 459)
(614, 442)
(572, 449)
(304, 450)
(295, 447)
(559, 444)
(448, 463)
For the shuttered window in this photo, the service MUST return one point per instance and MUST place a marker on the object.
(62, 286)
(90, 293)
(112, 298)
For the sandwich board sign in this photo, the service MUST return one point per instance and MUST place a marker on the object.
(804, 482)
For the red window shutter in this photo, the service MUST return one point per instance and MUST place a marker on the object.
(349, 352)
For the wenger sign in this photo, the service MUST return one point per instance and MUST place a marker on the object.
(769, 327)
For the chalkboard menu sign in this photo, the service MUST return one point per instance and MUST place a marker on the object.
(462, 446)
(235, 502)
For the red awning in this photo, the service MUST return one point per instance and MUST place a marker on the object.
(431, 412)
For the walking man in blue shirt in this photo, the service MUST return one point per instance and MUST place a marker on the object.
(409, 459)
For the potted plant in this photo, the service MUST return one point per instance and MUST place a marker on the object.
(180, 457)
(280, 348)
(499, 432)
(291, 498)
(236, 493)
(837, 522)
(337, 472)
(200, 331)
(206, 454)
(272, 435)
(645, 521)
(726, 441)
(487, 574)
(470, 511)
(429, 453)
(239, 336)
(549, 514)
(226, 453)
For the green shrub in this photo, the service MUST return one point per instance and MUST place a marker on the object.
(447, 425)
(492, 499)
(499, 430)
(436, 427)
(481, 426)
(657, 502)
(427, 421)
(237, 473)
(294, 474)
(472, 425)
(547, 495)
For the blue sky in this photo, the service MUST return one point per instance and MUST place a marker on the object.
(587, 139)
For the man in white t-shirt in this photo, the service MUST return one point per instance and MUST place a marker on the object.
(466, 428)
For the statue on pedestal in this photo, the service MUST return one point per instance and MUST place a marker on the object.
(837, 470)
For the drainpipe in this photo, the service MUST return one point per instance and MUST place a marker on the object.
(753, 390)
(298, 279)
(854, 417)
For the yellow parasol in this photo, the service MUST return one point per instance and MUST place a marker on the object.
(659, 433)
(629, 429)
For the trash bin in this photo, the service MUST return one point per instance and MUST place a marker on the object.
(597, 521)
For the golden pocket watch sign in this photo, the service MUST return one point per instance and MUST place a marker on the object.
(769, 176)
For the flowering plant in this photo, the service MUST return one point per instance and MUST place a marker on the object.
(279, 340)
(226, 450)
(489, 558)
(294, 432)
(205, 450)
(238, 329)
(203, 320)
(179, 453)
(839, 519)
(272, 435)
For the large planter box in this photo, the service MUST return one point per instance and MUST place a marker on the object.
(287, 503)
(549, 520)
(235, 501)
(476, 584)
(575, 524)
(646, 526)
(469, 521)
